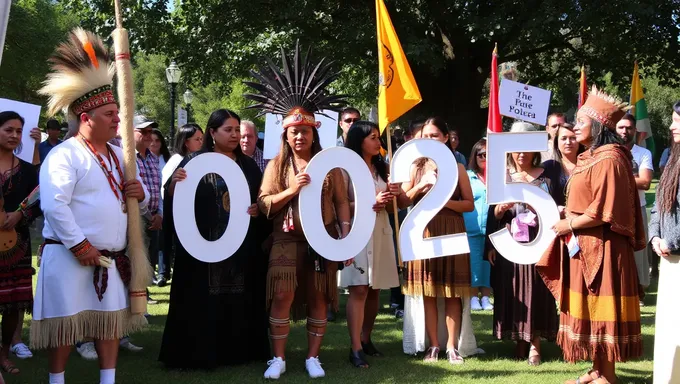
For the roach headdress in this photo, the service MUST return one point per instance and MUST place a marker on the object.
(82, 73)
(297, 90)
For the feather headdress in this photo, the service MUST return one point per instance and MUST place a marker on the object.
(606, 109)
(82, 73)
(297, 90)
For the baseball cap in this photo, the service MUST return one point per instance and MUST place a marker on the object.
(141, 122)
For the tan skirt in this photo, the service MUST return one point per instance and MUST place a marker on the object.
(447, 276)
(292, 270)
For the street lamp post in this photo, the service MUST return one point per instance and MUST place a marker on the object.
(188, 98)
(173, 74)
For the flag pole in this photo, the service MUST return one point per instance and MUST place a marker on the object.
(395, 207)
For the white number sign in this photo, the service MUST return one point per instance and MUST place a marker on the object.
(499, 191)
(185, 218)
(413, 246)
(310, 204)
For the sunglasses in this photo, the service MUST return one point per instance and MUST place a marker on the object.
(350, 121)
(481, 155)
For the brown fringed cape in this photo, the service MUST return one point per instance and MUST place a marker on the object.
(290, 267)
(597, 290)
(447, 276)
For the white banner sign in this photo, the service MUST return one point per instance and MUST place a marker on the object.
(524, 102)
(31, 115)
(273, 129)
(182, 117)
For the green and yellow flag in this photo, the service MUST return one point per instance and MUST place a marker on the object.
(398, 91)
(637, 100)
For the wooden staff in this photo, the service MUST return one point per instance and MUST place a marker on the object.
(139, 263)
(395, 205)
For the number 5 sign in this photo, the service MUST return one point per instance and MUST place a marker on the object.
(499, 191)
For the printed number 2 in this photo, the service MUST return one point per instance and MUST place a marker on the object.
(413, 246)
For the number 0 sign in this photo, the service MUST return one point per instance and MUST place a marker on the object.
(310, 204)
(185, 217)
(499, 191)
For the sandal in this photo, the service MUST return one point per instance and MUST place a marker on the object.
(454, 357)
(9, 367)
(534, 357)
(431, 355)
(370, 349)
(358, 359)
(589, 377)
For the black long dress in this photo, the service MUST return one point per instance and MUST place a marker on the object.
(217, 312)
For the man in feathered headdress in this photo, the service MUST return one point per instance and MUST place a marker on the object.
(82, 285)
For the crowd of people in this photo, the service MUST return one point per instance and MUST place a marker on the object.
(589, 304)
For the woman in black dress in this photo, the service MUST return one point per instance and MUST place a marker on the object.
(217, 312)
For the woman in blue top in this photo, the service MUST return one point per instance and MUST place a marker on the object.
(475, 223)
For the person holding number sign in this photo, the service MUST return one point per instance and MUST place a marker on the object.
(298, 278)
(445, 277)
(374, 268)
(590, 266)
(217, 305)
(524, 309)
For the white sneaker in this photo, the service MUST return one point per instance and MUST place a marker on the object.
(474, 304)
(277, 367)
(314, 369)
(87, 351)
(486, 304)
(21, 350)
(126, 344)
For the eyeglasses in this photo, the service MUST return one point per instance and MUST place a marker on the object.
(350, 121)
(481, 155)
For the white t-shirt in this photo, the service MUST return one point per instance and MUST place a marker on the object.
(642, 159)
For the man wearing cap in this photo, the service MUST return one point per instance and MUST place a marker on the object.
(147, 163)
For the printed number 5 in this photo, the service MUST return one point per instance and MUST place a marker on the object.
(413, 246)
(499, 191)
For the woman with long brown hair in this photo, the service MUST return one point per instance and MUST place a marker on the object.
(596, 287)
(664, 234)
(447, 277)
(299, 281)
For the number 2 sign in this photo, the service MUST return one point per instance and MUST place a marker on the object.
(413, 246)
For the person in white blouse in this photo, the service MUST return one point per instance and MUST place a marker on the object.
(82, 284)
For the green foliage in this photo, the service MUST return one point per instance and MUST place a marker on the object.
(152, 94)
(660, 100)
(34, 30)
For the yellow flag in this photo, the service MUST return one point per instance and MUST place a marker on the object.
(398, 91)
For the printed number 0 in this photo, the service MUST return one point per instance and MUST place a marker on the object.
(310, 204)
(413, 246)
(499, 191)
(185, 216)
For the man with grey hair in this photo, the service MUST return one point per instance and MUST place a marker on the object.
(249, 143)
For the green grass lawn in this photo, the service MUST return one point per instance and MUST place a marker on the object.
(497, 366)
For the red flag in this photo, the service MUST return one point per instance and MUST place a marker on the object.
(494, 123)
(583, 88)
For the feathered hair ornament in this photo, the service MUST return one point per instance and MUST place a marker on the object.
(297, 90)
(82, 73)
(606, 109)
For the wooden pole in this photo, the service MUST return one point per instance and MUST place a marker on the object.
(395, 206)
(137, 252)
